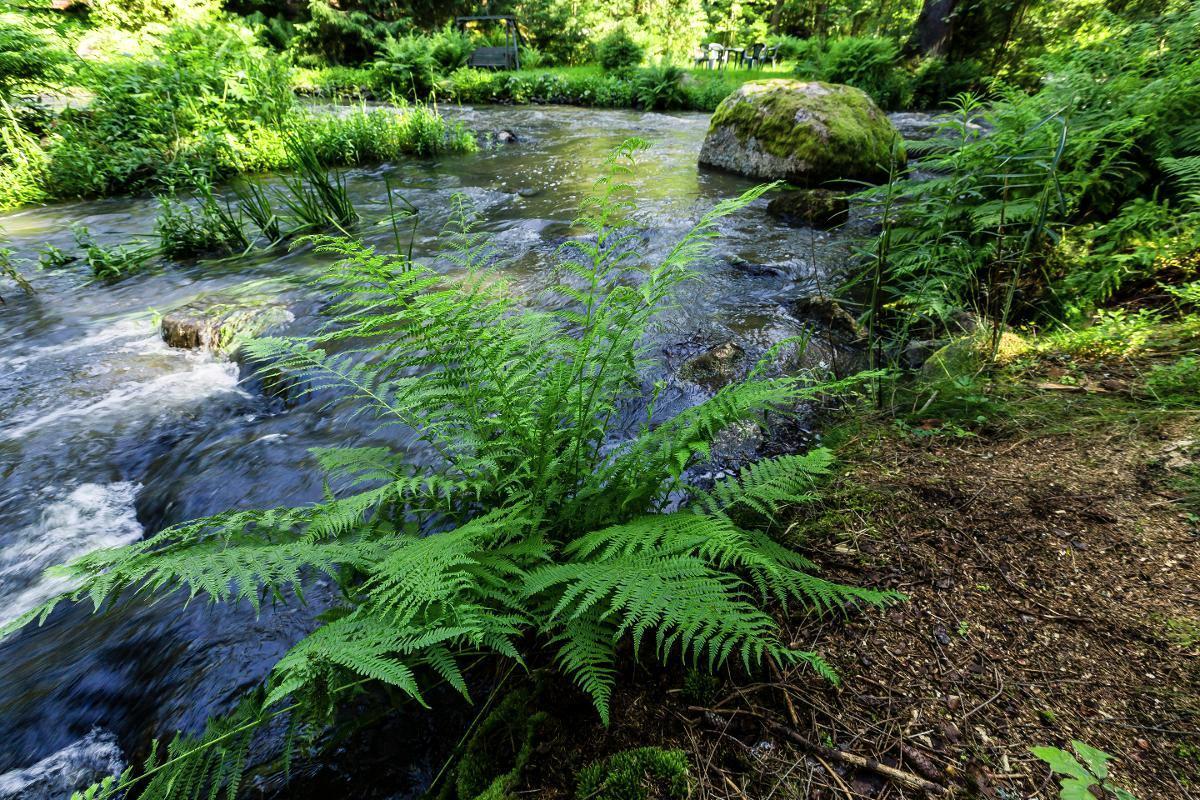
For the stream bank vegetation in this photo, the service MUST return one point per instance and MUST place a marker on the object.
(1020, 462)
(538, 539)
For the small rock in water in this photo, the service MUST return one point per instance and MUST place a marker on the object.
(75, 767)
(816, 208)
(506, 137)
(828, 311)
(753, 268)
(219, 326)
(714, 367)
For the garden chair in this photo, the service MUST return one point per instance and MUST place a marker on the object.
(756, 57)
(771, 54)
(714, 56)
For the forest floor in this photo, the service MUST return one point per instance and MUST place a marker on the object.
(1052, 566)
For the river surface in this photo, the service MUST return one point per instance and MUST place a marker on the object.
(107, 434)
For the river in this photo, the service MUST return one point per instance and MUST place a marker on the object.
(107, 434)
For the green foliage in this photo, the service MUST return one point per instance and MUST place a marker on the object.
(1047, 216)
(113, 262)
(499, 749)
(317, 198)
(1176, 383)
(618, 51)
(406, 63)
(1081, 772)
(937, 80)
(341, 35)
(135, 14)
(29, 59)
(9, 270)
(868, 63)
(208, 227)
(665, 87)
(659, 88)
(645, 773)
(548, 532)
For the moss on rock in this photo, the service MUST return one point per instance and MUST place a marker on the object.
(807, 133)
(501, 747)
(220, 324)
(645, 773)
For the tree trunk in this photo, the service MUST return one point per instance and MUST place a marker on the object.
(934, 29)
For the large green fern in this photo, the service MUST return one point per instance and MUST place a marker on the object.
(547, 532)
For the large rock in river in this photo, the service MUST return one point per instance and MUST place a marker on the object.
(806, 133)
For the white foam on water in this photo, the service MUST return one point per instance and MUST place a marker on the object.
(89, 517)
(203, 377)
(74, 767)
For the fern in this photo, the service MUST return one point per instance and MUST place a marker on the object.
(535, 528)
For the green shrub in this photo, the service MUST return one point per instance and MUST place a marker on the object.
(451, 48)
(1177, 383)
(645, 773)
(541, 534)
(869, 63)
(618, 51)
(28, 58)
(659, 88)
(336, 36)
(406, 64)
(936, 80)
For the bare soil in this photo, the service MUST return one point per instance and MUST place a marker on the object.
(1054, 594)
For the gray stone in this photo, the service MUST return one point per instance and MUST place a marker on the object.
(807, 133)
(220, 324)
(715, 367)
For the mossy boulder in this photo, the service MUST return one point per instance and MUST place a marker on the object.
(219, 324)
(806, 133)
(816, 208)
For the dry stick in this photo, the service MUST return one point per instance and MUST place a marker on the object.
(905, 779)
(833, 774)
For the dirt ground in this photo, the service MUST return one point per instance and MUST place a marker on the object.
(1054, 594)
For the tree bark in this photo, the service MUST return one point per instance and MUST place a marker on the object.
(934, 29)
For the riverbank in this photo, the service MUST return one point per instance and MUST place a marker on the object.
(1050, 562)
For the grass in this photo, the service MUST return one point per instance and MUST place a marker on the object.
(587, 85)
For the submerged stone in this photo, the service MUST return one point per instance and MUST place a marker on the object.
(816, 208)
(714, 367)
(806, 133)
(220, 324)
(829, 312)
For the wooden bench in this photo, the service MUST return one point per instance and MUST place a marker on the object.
(499, 57)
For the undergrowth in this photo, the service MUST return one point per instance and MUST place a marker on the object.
(537, 534)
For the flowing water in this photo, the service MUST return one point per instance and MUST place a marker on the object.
(107, 434)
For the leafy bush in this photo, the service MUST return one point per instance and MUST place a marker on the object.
(645, 773)
(406, 64)
(986, 232)
(869, 63)
(618, 51)
(545, 530)
(451, 48)
(27, 58)
(658, 88)
(936, 80)
(337, 36)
